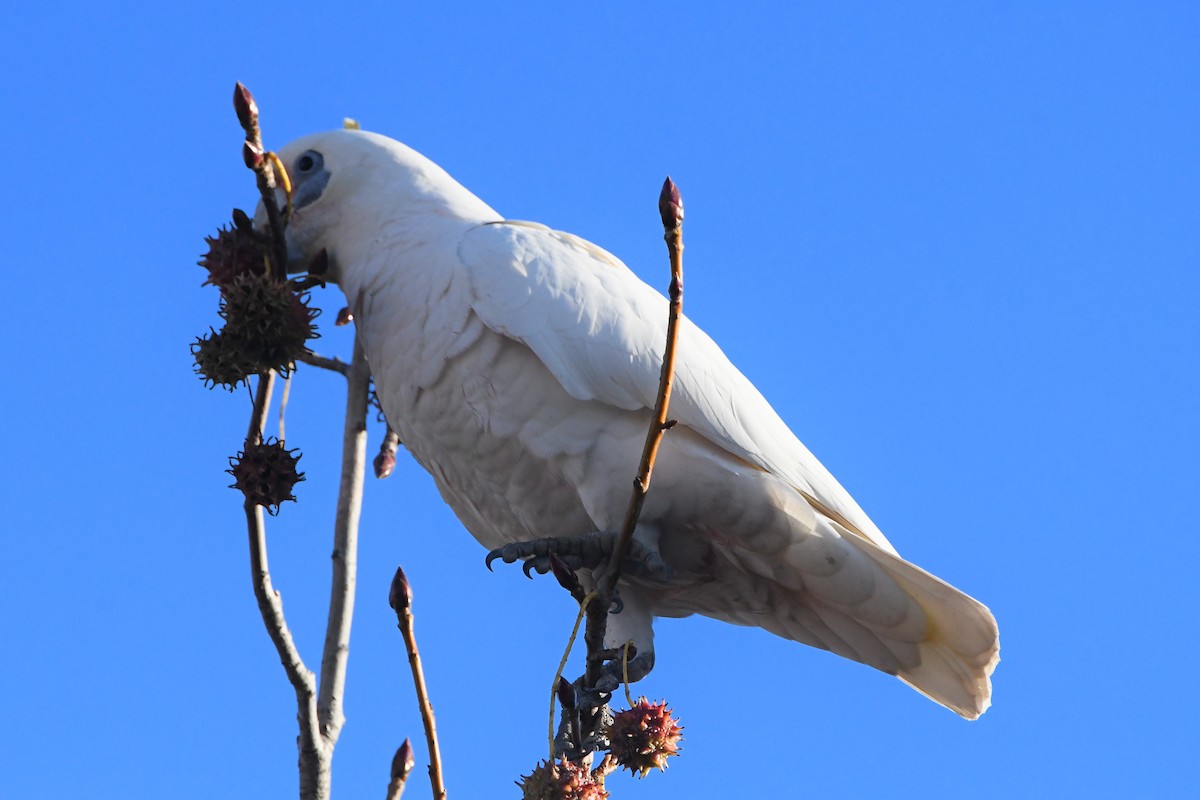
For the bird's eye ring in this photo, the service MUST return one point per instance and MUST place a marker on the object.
(308, 162)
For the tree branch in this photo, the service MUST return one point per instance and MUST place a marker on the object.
(400, 599)
(256, 159)
(670, 206)
(345, 548)
(333, 364)
(313, 761)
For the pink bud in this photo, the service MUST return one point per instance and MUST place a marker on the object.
(670, 205)
(385, 462)
(403, 762)
(252, 155)
(400, 596)
(244, 105)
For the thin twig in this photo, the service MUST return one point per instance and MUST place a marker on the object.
(345, 548)
(400, 598)
(262, 402)
(256, 159)
(270, 605)
(333, 364)
(670, 207)
(625, 673)
(283, 401)
(583, 604)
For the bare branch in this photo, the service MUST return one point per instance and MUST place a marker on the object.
(271, 606)
(345, 548)
(333, 364)
(670, 206)
(256, 159)
(400, 599)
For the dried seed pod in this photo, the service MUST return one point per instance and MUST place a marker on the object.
(265, 473)
(564, 780)
(232, 253)
(270, 323)
(644, 736)
(219, 361)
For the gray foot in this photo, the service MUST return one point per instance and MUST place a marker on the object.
(589, 552)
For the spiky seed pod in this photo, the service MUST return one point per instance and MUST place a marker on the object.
(564, 780)
(270, 323)
(644, 736)
(265, 473)
(232, 253)
(219, 361)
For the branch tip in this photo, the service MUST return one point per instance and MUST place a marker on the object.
(400, 595)
(246, 108)
(404, 761)
(670, 205)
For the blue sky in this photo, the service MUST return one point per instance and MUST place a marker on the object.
(956, 245)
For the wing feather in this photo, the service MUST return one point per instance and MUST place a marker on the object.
(601, 332)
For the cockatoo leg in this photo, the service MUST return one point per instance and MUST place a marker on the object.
(590, 551)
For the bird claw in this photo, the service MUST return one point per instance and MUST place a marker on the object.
(590, 551)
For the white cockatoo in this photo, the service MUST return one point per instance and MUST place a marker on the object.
(519, 366)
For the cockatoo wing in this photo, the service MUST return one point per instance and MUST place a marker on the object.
(601, 331)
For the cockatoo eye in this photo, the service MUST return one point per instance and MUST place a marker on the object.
(308, 161)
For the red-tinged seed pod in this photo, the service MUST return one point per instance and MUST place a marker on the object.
(403, 762)
(564, 780)
(670, 205)
(643, 737)
(246, 108)
(232, 253)
(400, 595)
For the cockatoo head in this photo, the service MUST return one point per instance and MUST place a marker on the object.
(348, 185)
